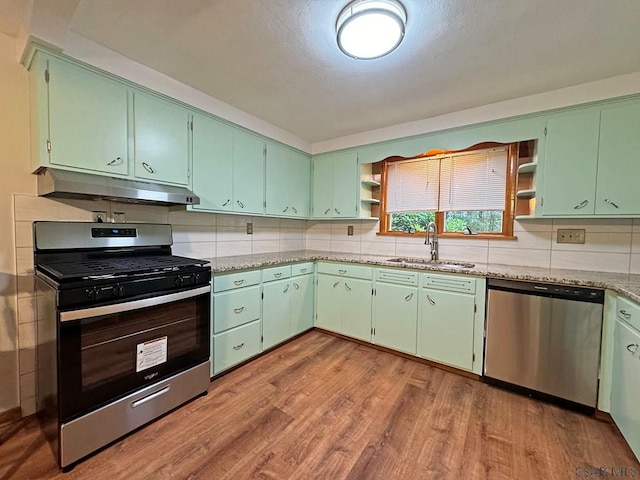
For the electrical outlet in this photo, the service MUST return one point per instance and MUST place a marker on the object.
(119, 217)
(571, 235)
(249, 228)
(350, 230)
(99, 216)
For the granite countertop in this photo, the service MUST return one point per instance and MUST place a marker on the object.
(626, 284)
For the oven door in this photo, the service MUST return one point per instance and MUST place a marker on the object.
(109, 351)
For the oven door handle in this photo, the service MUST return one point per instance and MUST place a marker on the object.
(129, 306)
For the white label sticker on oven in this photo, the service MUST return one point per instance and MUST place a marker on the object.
(151, 353)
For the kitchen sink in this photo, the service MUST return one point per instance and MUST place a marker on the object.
(435, 263)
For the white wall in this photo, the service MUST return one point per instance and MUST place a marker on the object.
(610, 245)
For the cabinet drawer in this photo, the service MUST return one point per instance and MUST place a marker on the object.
(302, 269)
(236, 307)
(236, 280)
(276, 273)
(346, 270)
(629, 312)
(234, 346)
(449, 283)
(400, 277)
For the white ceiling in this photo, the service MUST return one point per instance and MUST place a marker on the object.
(278, 60)
(12, 14)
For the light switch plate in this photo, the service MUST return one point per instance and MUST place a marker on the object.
(350, 230)
(99, 216)
(249, 228)
(571, 235)
(119, 217)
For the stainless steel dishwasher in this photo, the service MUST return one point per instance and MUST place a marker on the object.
(543, 340)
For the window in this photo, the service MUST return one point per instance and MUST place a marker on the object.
(464, 193)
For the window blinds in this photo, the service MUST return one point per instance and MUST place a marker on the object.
(474, 181)
(412, 186)
(468, 181)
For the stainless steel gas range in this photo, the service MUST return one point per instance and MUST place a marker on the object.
(123, 331)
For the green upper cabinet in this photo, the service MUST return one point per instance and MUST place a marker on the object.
(248, 172)
(212, 164)
(618, 189)
(288, 177)
(87, 119)
(571, 159)
(335, 185)
(160, 139)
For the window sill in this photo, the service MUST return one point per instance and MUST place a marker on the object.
(492, 236)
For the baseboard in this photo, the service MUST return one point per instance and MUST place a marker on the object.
(10, 416)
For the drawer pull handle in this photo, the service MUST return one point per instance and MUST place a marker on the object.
(150, 397)
(303, 270)
(287, 208)
(226, 203)
(606, 200)
(277, 275)
(238, 347)
(347, 287)
(238, 282)
(115, 161)
(625, 314)
(633, 346)
(238, 310)
(295, 210)
(286, 289)
(582, 204)
(337, 211)
(148, 167)
(430, 300)
(240, 203)
(409, 297)
(296, 286)
(336, 284)
(327, 211)
(342, 272)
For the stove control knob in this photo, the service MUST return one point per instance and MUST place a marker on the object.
(179, 281)
(92, 293)
(194, 278)
(118, 290)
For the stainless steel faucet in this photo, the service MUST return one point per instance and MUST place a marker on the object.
(433, 240)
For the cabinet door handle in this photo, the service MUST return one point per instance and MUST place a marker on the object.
(238, 347)
(302, 270)
(277, 275)
(582, 204)
(336, 284)
(238, 282)
(327, 211)
(287, 208)
(286, 289)
(606, 200)
(115, 161)
(226, 203)
(430, 300)
(347, 287)
(342, 272)
(625, 314)
(337, 211)
(148, 167)
(633, 346)
(295, 210)
(240, 203)
(238, 310)
(409, 297)
(296, 286)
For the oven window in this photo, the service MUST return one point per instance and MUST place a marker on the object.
(123, 344)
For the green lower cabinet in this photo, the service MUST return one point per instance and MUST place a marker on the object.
(344, 306)
(396, 317)
(276, 312)
(234, 346)
(625, 386)
(446, 331)
(301, 304)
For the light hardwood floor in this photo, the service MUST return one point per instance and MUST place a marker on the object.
(323, 407)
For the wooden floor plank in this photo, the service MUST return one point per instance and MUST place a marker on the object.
(324, 407)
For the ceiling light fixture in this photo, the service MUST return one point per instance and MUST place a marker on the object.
(368, 29)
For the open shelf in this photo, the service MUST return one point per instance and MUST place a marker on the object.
(528, 193)
(527, 167)
(370, 183)
(370, 191)
(370, 200)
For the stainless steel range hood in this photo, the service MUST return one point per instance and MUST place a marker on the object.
(66, 184)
